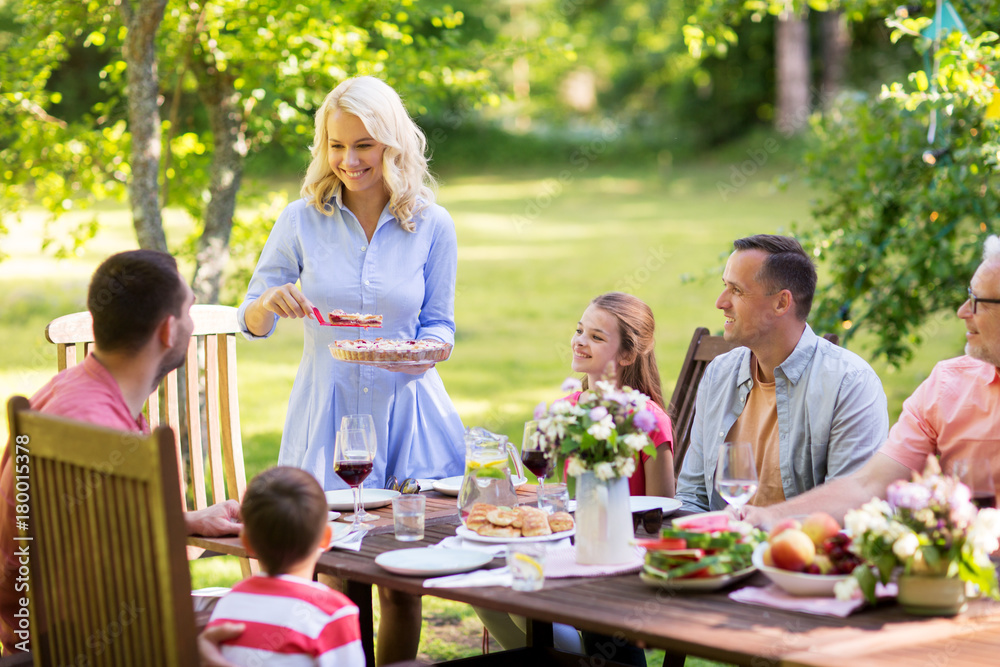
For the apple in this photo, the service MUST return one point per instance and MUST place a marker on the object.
(792, 550)
(781, 526)
(820, 527)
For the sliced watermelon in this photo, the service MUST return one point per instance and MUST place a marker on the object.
(703, 523)
(662, 544)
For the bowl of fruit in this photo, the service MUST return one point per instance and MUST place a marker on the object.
(808, 557)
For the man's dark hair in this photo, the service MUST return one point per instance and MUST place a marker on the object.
(284, 513)
(130, 295)
(787, 266)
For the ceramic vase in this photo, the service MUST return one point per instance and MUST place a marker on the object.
(603, 521)
(931, 596)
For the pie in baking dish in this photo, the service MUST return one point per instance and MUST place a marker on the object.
(387, 351)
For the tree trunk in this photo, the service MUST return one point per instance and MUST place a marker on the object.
(836, 43)
(217, 92)
(792, 80)
(142, 19)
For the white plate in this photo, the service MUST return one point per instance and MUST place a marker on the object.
(333, 516)
(343, 499)
(703, 584)
(472, 535)
(797, 583)
(427, 562)
(646, 503)
(450, 486)
(426, 484)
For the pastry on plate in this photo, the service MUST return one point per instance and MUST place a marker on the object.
(560, 522)
(534, 522)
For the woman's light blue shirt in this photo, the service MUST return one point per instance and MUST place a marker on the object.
(408, 278)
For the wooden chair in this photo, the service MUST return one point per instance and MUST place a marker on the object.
(208, 391)
(703, 349)
(108, 576)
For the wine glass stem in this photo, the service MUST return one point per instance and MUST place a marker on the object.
(357, 505)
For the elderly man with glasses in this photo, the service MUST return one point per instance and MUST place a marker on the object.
(954, 413)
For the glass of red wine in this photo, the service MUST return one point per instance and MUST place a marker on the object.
(977, 475)
(536, 456)
(353, 459)
(367, 424)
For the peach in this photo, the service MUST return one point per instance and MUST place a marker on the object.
(766, 556)
(783, 525)
(792, 550)
(820, 526)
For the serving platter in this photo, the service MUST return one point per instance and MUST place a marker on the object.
(698, 584)
(473, 536)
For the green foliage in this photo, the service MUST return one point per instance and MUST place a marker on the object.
(905, 208)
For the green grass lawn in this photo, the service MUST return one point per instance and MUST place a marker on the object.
(534, 247)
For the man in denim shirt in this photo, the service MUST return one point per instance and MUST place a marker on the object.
(811, 410)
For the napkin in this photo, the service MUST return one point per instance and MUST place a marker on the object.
(349, 542)
(498, 577)
(560, 562)
(773, 596)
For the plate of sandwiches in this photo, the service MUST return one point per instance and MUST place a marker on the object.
(500, 525)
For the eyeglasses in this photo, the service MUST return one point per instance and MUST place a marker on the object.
(408, 485)
(651, 520)
(977, 300)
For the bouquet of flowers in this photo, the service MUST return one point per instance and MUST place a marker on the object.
(927, 527)
(601, 432)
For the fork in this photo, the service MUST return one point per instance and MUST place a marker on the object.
(350, 539)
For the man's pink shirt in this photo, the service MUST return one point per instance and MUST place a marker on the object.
(954, 413)
(86, 392)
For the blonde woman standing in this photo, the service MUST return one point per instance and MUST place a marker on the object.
(366, 237)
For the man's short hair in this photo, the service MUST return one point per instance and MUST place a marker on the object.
(284, 513)
(787, 267)
(130, 295)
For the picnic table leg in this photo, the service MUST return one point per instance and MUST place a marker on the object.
(674, 659)
(361, 595)
(539, 634)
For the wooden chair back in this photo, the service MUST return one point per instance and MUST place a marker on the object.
(205, 385)
(703, 349)
(108, 574)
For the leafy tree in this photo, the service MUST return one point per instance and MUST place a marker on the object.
(909, 191)
(229, 78)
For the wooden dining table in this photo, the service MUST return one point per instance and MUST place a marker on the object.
(705, 624)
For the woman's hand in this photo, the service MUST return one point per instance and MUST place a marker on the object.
(283, 301)
(286, 301)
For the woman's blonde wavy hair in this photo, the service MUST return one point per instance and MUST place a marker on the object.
(404, 165)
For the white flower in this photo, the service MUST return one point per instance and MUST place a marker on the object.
(985, 531)
(847, 589)
(626, 466)
(906, 546)
(571, 384)
(602, 429)
(561, 407)
(575, 467)
(635, 441)
(604, 471)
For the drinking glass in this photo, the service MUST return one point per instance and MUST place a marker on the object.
(536, 457)
(367, 424)
(978, 476)
(353, 459)
(736, 474)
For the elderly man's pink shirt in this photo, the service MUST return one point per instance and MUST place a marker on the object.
(954, 413)
(86, 392)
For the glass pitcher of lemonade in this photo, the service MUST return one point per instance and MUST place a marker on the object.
(487, 473)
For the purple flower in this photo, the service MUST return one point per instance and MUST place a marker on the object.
(644, 420)
(540, 410)
(908, 495)
(571, 384)
(598, 413)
